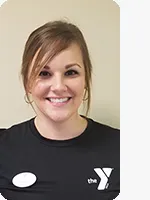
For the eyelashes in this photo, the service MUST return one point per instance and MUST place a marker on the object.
(71, 72)
(44, 73)
(68, 73)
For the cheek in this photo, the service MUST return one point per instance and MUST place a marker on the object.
(39, 90)
(79, 86)
(78, 89)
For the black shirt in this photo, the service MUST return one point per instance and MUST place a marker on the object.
(33, 167)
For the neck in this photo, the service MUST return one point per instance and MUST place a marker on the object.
(68, 129)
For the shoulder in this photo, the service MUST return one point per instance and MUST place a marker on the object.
(104, 129)
(13, 132)
(104, 134)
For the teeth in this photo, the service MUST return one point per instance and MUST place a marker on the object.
(58, 100)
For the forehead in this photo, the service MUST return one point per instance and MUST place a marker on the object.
(67, 56)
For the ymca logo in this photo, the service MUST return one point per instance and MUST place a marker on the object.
(104, 175)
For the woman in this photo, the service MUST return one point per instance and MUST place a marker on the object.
(58, 154)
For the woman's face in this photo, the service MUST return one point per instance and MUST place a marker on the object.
(59, 89)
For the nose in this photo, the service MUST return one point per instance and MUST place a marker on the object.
(58, 84)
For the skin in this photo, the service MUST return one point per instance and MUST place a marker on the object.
(55, 80)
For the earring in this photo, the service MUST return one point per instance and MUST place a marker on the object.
(26, 99)
(85, 99)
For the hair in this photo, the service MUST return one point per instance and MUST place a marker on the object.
(47, 41)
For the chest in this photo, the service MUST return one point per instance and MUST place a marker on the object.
(56, 172)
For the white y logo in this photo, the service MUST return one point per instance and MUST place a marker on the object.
(104, 174)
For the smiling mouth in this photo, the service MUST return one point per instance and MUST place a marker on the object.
(59, 101)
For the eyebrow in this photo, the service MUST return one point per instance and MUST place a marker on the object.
(67, 66)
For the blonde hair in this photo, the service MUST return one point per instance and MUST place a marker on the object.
(50, 39)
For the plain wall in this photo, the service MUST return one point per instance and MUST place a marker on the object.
(98, 20)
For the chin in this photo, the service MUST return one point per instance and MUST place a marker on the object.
(59, 117)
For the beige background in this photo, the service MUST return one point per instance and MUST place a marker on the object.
(99, 22)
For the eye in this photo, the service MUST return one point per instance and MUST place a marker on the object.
(71, 73)
(44, 73)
